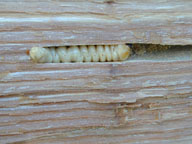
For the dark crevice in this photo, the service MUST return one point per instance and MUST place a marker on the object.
(157, 52)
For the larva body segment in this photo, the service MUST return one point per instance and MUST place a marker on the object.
(55, 56)
(108, 53)
(40, 55)
(62, 52)
(91, 53)
(114, 54)
(101, 53)
(85, 54)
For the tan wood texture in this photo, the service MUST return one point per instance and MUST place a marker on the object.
(88, 103)
(95, 22)
(137, 101)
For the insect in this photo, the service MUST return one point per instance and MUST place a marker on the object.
(83, 53)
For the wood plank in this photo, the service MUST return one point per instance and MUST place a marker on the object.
(96, 22)
(142, 100)
(130, 101)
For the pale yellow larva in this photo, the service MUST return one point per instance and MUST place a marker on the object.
(99, 53)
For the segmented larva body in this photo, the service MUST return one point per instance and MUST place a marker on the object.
(82, 53)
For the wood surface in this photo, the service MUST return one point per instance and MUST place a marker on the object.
(126, 102)
(95, 22)
(136, 101)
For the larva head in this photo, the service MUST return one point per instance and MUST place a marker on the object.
(39, 54)
(124, 52)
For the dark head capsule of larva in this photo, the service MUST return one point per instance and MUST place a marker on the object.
(99, 53)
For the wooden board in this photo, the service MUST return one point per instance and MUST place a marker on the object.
(136, 101)
(96, 22)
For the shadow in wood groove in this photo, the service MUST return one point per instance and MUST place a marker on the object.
(156, 52)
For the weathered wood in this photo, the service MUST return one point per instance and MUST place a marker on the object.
(136, 101)
(96, 22)
(129, 102)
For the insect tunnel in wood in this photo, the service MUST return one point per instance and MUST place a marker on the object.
(97, 71)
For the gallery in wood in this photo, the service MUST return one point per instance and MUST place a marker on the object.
(146, 99)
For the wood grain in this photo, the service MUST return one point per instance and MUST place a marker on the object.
(130, 102)
(136, 101)
(96, 22)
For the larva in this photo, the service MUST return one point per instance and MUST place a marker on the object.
(82, 53)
